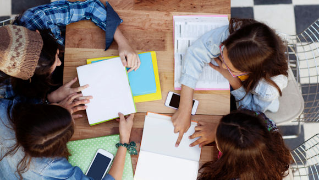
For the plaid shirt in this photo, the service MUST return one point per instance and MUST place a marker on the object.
(58, 14)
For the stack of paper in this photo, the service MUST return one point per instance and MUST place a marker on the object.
(109, 86)
(187, 29)
(144, 82)
(159, 158)
(83, 151)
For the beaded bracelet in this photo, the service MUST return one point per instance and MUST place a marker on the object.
(130, 147)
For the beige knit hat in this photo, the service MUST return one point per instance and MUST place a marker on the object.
(20, 51)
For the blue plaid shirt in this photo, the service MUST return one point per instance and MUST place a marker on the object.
(58, 14)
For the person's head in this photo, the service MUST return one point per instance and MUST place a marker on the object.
(31, 67)
(42, 131)
(249, 150)
(253, 48)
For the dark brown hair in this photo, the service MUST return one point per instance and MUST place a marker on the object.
(39, 84)
(42, 131)
(249, 150)
(255, 48)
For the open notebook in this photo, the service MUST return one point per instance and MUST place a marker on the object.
(109, 86)
(187, 29)
(159, 158)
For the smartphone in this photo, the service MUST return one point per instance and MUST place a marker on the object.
(173, 99)
(100, 164)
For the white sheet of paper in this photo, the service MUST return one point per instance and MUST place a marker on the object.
(187, 29)
(109, 86)
(152, 166)
(159, 137)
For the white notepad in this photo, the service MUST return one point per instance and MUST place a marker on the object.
(159, 158)
(109, 86)
(187, 29)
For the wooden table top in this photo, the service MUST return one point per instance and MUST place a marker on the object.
(148, 26)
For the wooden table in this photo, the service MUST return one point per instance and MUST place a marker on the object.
(148, 26)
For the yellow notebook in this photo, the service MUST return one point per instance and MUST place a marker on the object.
(147, 97)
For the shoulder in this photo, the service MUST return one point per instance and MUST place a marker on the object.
(269, 92)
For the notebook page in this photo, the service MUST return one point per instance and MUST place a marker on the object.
(109, 86)
(159, 137)
(187, 29)
(152, 166)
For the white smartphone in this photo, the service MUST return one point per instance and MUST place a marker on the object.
(173, 99)
(100, 164)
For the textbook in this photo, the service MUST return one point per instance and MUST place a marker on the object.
(109, 86)
(83, 151)
(187, 29)
(159, 158)
(144, 81)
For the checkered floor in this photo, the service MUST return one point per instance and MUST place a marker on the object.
(286, 16)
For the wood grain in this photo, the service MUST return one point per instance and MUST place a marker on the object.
(148, 26)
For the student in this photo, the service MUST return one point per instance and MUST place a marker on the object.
(250, 148)
(56, 15)
(33, 142)
(249, 55)
(27, 61)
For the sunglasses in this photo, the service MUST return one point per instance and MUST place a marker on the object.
(221, 48)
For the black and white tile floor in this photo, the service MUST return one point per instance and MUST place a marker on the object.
(286, 16)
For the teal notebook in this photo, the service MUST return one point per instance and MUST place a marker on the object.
(142, 81)
(83, 151)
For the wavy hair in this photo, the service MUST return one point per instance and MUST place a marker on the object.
(255, 48)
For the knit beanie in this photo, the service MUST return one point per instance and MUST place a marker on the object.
(20, 50)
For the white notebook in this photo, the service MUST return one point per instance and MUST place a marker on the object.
(187, 29)
(159, 158)
(109, 86)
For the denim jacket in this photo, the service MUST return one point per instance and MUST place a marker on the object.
(262, 98)
(40, 168)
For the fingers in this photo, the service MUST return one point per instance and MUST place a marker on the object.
(131, 117)
(83, 101)
(78, 108)
(203, 144)
(74, 96)
(138, 62)
(123, 59)
(198, 141)
(131, 69)
(213, 66)
(179, 139)
(69, 84)
(84, 97)
(198, 128)
(195, 135)
(81, 88)
(76, 116)
(121, 116)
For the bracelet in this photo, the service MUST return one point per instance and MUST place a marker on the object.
(131, 147)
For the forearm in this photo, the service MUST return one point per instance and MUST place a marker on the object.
(119, 38)
(186, 101)
(117, 168)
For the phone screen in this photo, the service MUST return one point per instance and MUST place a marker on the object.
(175, 101)
(98, 166)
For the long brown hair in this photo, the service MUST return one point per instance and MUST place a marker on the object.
(255, 48)
(42, 131)
(249, 150)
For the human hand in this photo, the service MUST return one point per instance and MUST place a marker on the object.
(181, 120)
(206, 133)
(64, 91)
(129, 57)
(126, 124)
(74, 103)
(235, 82)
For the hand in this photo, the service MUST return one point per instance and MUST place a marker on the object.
(233, 81)
(206, 133)
(181, 121)
(74, 103)
(64, 91)
(125, 128)
(129, 57)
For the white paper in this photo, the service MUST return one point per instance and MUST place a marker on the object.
(159, 137)
(152, 166)
(187, 29)
(109, 86)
